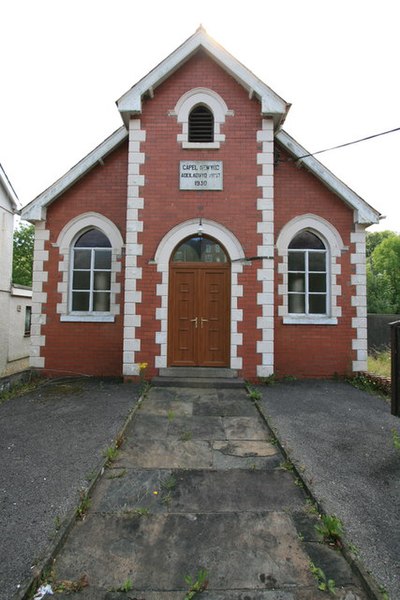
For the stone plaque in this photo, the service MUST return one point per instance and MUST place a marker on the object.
(201, 175)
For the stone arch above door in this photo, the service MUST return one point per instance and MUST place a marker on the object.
(162, 258)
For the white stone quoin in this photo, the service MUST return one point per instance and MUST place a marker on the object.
(265, 227)
(133, 249)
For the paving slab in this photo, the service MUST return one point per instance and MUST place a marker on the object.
(239, 551)
(179, 491)
(218, 499)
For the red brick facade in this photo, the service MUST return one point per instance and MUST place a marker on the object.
(301, 350)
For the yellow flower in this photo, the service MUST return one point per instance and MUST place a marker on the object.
(143, 366)
(155, 493)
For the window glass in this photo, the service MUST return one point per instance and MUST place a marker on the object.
(200, 249)
(28, 320)
(80, 301)
(91, 273)
(93, 239)
(82, 259)
(306, 240)
(317, 304)
(307, 275)
(297, 303)
(81, 280)
(317, 261)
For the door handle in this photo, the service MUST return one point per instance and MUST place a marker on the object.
(194, 321)
(203, 321)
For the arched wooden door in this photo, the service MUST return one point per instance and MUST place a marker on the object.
(199, 305)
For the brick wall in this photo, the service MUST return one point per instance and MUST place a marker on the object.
(313, 350)
(87, 348)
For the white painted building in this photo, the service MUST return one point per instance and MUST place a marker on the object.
(15, 300)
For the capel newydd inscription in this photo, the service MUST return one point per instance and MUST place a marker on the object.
(201, 175)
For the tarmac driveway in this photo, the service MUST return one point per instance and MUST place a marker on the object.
(341, 440)
(51, 441)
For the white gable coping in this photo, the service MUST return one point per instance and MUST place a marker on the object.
(36, 210)
(9, 190)
(363, 212)
(272, 105)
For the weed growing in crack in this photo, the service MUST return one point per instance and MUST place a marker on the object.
(196, 586)
(83, 506)
(186, 436)
(324, 583)
(331, 529)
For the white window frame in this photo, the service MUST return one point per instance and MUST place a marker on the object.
(66, 243)
(307, 293)
(214, 102)
(92, 270)
(334, 248)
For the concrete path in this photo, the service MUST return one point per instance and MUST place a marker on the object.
(199, 485)
(51, 441)
(341, 438)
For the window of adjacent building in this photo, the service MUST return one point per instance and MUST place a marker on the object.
(201, 124)
(307, 275)
(91, 273)
(28, 320)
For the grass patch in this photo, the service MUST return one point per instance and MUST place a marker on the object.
(379, 363)
(19, 389)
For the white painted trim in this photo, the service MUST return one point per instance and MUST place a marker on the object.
(334, 246)
(39, 276)
(364, 213)
(271, 104)
(136, 158)
(65, 242)
(182, 110)
(87, 221)
(9, 190)
(36, 210)
(359, 299)
(265, 227)
(162, 258)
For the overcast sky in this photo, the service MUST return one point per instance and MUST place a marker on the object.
(64, 64)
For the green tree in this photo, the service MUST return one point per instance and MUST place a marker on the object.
(384, 277)
(380, 296)
(23, 254)
(374, 238)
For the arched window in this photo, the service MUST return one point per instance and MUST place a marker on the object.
(201, 124)
(199, 249)
(307, 275)
(91, 273)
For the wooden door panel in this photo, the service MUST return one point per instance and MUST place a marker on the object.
(182, 339)
(215, 309)
(204, 292)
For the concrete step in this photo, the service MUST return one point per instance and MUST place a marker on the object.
(206, 372)
(198, 382)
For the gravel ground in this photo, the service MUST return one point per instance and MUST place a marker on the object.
(51, 440)
(342, 438)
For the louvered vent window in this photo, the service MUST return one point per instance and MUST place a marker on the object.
(201, 124)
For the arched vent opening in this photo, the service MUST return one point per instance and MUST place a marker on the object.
(201, 124)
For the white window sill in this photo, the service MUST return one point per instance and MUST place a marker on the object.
(201, 145)
(306, 320)
(90, 318)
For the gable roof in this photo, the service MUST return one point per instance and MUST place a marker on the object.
(9, 190)
(364, 212)
(272, 105)
(36, 210)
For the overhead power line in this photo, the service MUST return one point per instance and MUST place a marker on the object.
(364, 139)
